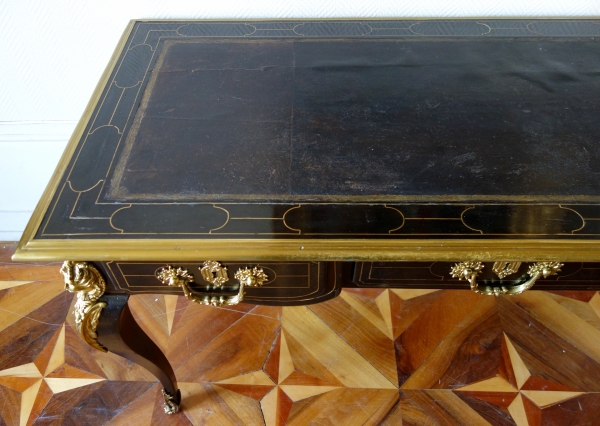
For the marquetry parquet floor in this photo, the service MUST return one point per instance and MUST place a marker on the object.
(369, 357)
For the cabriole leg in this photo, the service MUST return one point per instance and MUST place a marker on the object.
(105, 323)
(121, 334)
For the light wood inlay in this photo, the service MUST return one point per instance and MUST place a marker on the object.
(286, 365)
(517, 411)
(296, 393)
(545, 398)
(342, 361)
(254, 378)
(171, 309)
(494, 384)
(519, 368)
(10, 284)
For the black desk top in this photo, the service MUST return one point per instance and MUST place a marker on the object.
(334, 139)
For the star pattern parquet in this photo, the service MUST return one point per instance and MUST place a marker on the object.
(370, 356)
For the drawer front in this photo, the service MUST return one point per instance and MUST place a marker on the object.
(288, 283)
(573, 276)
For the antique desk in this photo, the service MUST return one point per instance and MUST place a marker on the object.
(275, 162)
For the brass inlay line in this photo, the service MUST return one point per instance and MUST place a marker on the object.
(285, 223)
(432, 218)
(85, 190)
(157, 31)
(578, 214)
(118, 102)
(576, 272)
(29, 233)
(257, 218)
(389, 28)
(226, 220)
(401, 215)
(100, 127)
(215, 22)
(111, 218)
(278, 199)
(141, 44)
(462, 219)
(488, 27)
(75, 203)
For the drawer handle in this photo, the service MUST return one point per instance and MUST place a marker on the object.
(470, 270)
(214, 273)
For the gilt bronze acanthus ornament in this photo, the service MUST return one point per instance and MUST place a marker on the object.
(214, 273)
(470, 270)
(86, 281)
(251, 277)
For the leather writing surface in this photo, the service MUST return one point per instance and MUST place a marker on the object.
(272, 119)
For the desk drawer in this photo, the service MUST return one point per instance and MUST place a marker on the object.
(288, 283)
(573, 276)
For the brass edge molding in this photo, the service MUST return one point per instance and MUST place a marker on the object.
(46, 199)
(166, 250)
(86, 281)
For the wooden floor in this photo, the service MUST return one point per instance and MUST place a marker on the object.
(371, 357)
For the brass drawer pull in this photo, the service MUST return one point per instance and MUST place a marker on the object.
(214, 273)
(470, 270)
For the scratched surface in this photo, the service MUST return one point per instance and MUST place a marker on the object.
(355, 117)
(370, 356)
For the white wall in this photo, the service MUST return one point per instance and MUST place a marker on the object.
(52, 53)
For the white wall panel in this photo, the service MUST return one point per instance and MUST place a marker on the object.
(54, 51)
(12, 225)
(28, 155)
(25, 176)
